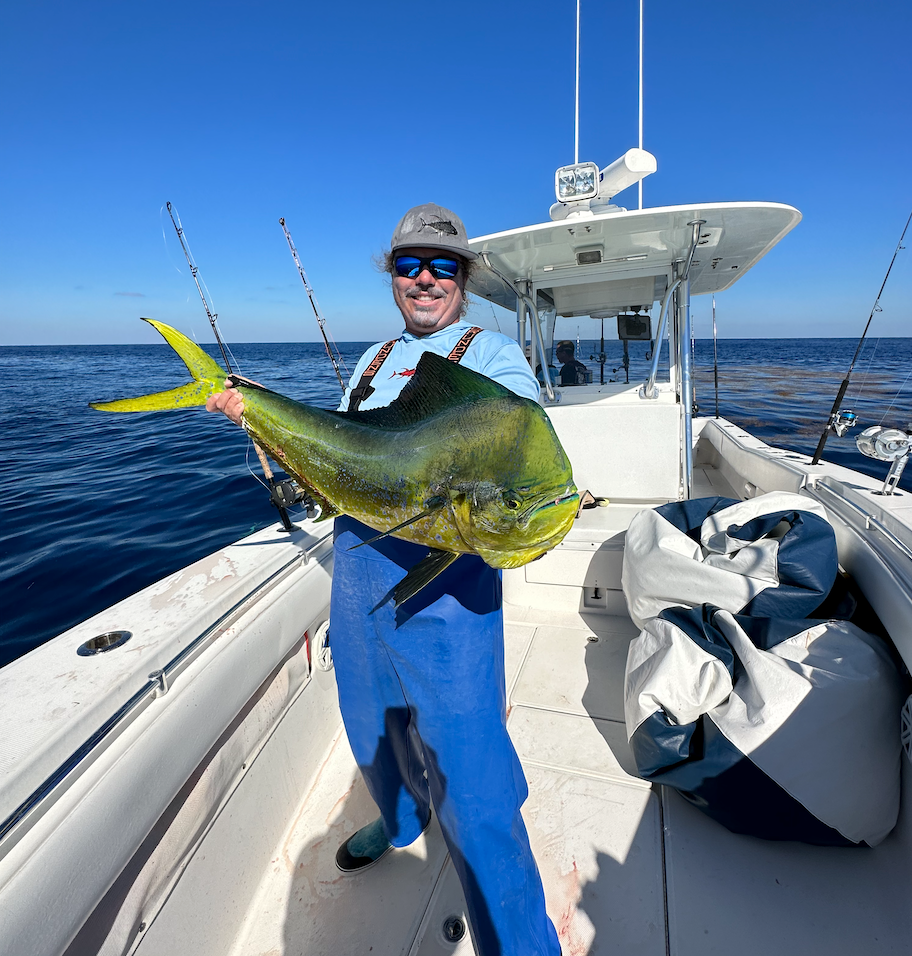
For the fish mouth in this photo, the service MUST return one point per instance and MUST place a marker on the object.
(539, 507)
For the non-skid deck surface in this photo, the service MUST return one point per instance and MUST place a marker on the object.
(627, 868)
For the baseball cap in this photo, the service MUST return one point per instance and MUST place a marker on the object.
(565, 346)
(433, 227)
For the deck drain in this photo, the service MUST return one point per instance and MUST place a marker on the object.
(103, 642)
(453, 929)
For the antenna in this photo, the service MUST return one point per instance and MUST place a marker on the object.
(576, 124)
(640, 188)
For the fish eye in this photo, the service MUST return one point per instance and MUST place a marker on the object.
(510, 502)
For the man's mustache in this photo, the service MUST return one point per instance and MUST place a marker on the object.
(434, 293)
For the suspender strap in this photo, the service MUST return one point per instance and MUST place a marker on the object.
(460, 348)
(364, 387)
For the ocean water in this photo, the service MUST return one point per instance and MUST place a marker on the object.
(96, 506)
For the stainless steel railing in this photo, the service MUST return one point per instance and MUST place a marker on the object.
(533, 321)
(649, 389)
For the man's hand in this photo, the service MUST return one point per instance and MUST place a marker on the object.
(230, 402)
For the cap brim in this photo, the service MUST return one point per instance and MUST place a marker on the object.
(442, 246)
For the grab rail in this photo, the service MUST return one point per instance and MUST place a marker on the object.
(649, 389)
(533, 321)
(871, 522)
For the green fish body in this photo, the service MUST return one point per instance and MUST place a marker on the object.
(457, 462)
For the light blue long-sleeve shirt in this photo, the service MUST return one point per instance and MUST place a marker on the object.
(490, 353)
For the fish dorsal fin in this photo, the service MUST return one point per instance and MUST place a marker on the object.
(437, 385)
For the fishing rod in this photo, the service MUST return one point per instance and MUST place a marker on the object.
(840, 421)
(212, 316)
(279, 494)
(313, 301)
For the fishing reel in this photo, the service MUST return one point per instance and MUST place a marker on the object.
(843, 420)
(884, 444)
(887, 444)
(287, 493)
(840, 422)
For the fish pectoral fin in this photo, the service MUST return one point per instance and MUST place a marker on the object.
(420, 575)
(434, 505)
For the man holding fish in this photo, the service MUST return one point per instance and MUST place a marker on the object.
(421, 679)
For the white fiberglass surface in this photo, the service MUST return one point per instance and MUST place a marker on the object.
(787, 899)
(306, 905)
(628, 868)
(595, 828)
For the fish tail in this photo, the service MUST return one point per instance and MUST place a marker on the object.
(208, 379)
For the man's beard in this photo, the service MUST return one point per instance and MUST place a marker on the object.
(425, 313)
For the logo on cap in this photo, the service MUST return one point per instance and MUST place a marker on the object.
(443, 226)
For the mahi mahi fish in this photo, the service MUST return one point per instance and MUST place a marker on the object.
(457, 462)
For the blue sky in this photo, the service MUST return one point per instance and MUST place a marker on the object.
(341, 116)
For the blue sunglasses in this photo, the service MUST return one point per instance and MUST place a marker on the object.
(410, 267)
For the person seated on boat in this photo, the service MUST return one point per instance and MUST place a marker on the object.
(553, 371)
(572, 372)
(422, 687)
(553, 374)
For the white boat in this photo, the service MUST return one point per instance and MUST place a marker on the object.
(184, 789)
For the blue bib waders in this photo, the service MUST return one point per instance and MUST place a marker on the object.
(421, 690)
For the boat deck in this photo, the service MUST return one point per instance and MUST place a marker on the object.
(628, 868)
